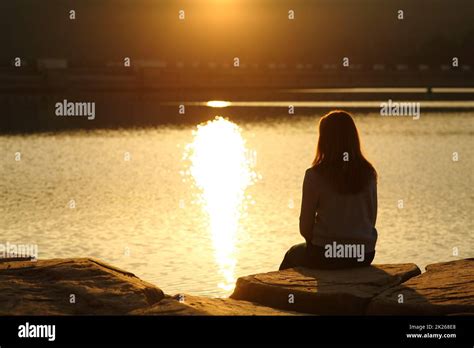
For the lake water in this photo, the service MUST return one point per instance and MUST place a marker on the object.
(191, 209)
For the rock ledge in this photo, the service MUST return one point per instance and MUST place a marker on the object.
(324, 292)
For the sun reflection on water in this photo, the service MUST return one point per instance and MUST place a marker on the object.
(218, 104)
(222, 169)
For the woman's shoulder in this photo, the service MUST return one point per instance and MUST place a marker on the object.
(313, 173)
(314, 170)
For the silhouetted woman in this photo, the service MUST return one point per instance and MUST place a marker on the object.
(339, 204)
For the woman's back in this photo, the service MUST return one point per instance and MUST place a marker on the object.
(341, 218)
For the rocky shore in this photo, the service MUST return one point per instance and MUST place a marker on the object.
(85, 286)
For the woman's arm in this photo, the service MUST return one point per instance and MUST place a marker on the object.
(309, 204)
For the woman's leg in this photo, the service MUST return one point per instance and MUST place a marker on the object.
(341, 263)
(369, 257)
(294, 257)
(312, 256)
(316, 258)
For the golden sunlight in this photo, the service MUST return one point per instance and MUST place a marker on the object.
(218, 103)
(222, 170)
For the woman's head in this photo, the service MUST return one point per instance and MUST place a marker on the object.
(339, 157)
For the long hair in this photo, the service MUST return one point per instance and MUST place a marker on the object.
(339, 158)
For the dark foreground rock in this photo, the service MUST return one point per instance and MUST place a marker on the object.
(48, 288)
(325, 292)
(197, 305)
(445, 288)
(85, 286)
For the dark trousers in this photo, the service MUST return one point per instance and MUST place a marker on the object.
(312, 256)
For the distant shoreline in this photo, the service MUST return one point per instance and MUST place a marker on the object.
(34, 111)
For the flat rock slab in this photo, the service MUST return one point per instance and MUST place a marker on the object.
(168, 306)
(197, 305)
(325, 292)
(446, 288)
(45, 287)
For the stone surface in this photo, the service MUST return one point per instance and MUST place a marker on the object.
(325, 292)
(44, 287)
(168, 306)
(445, 288)
(197, 305)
